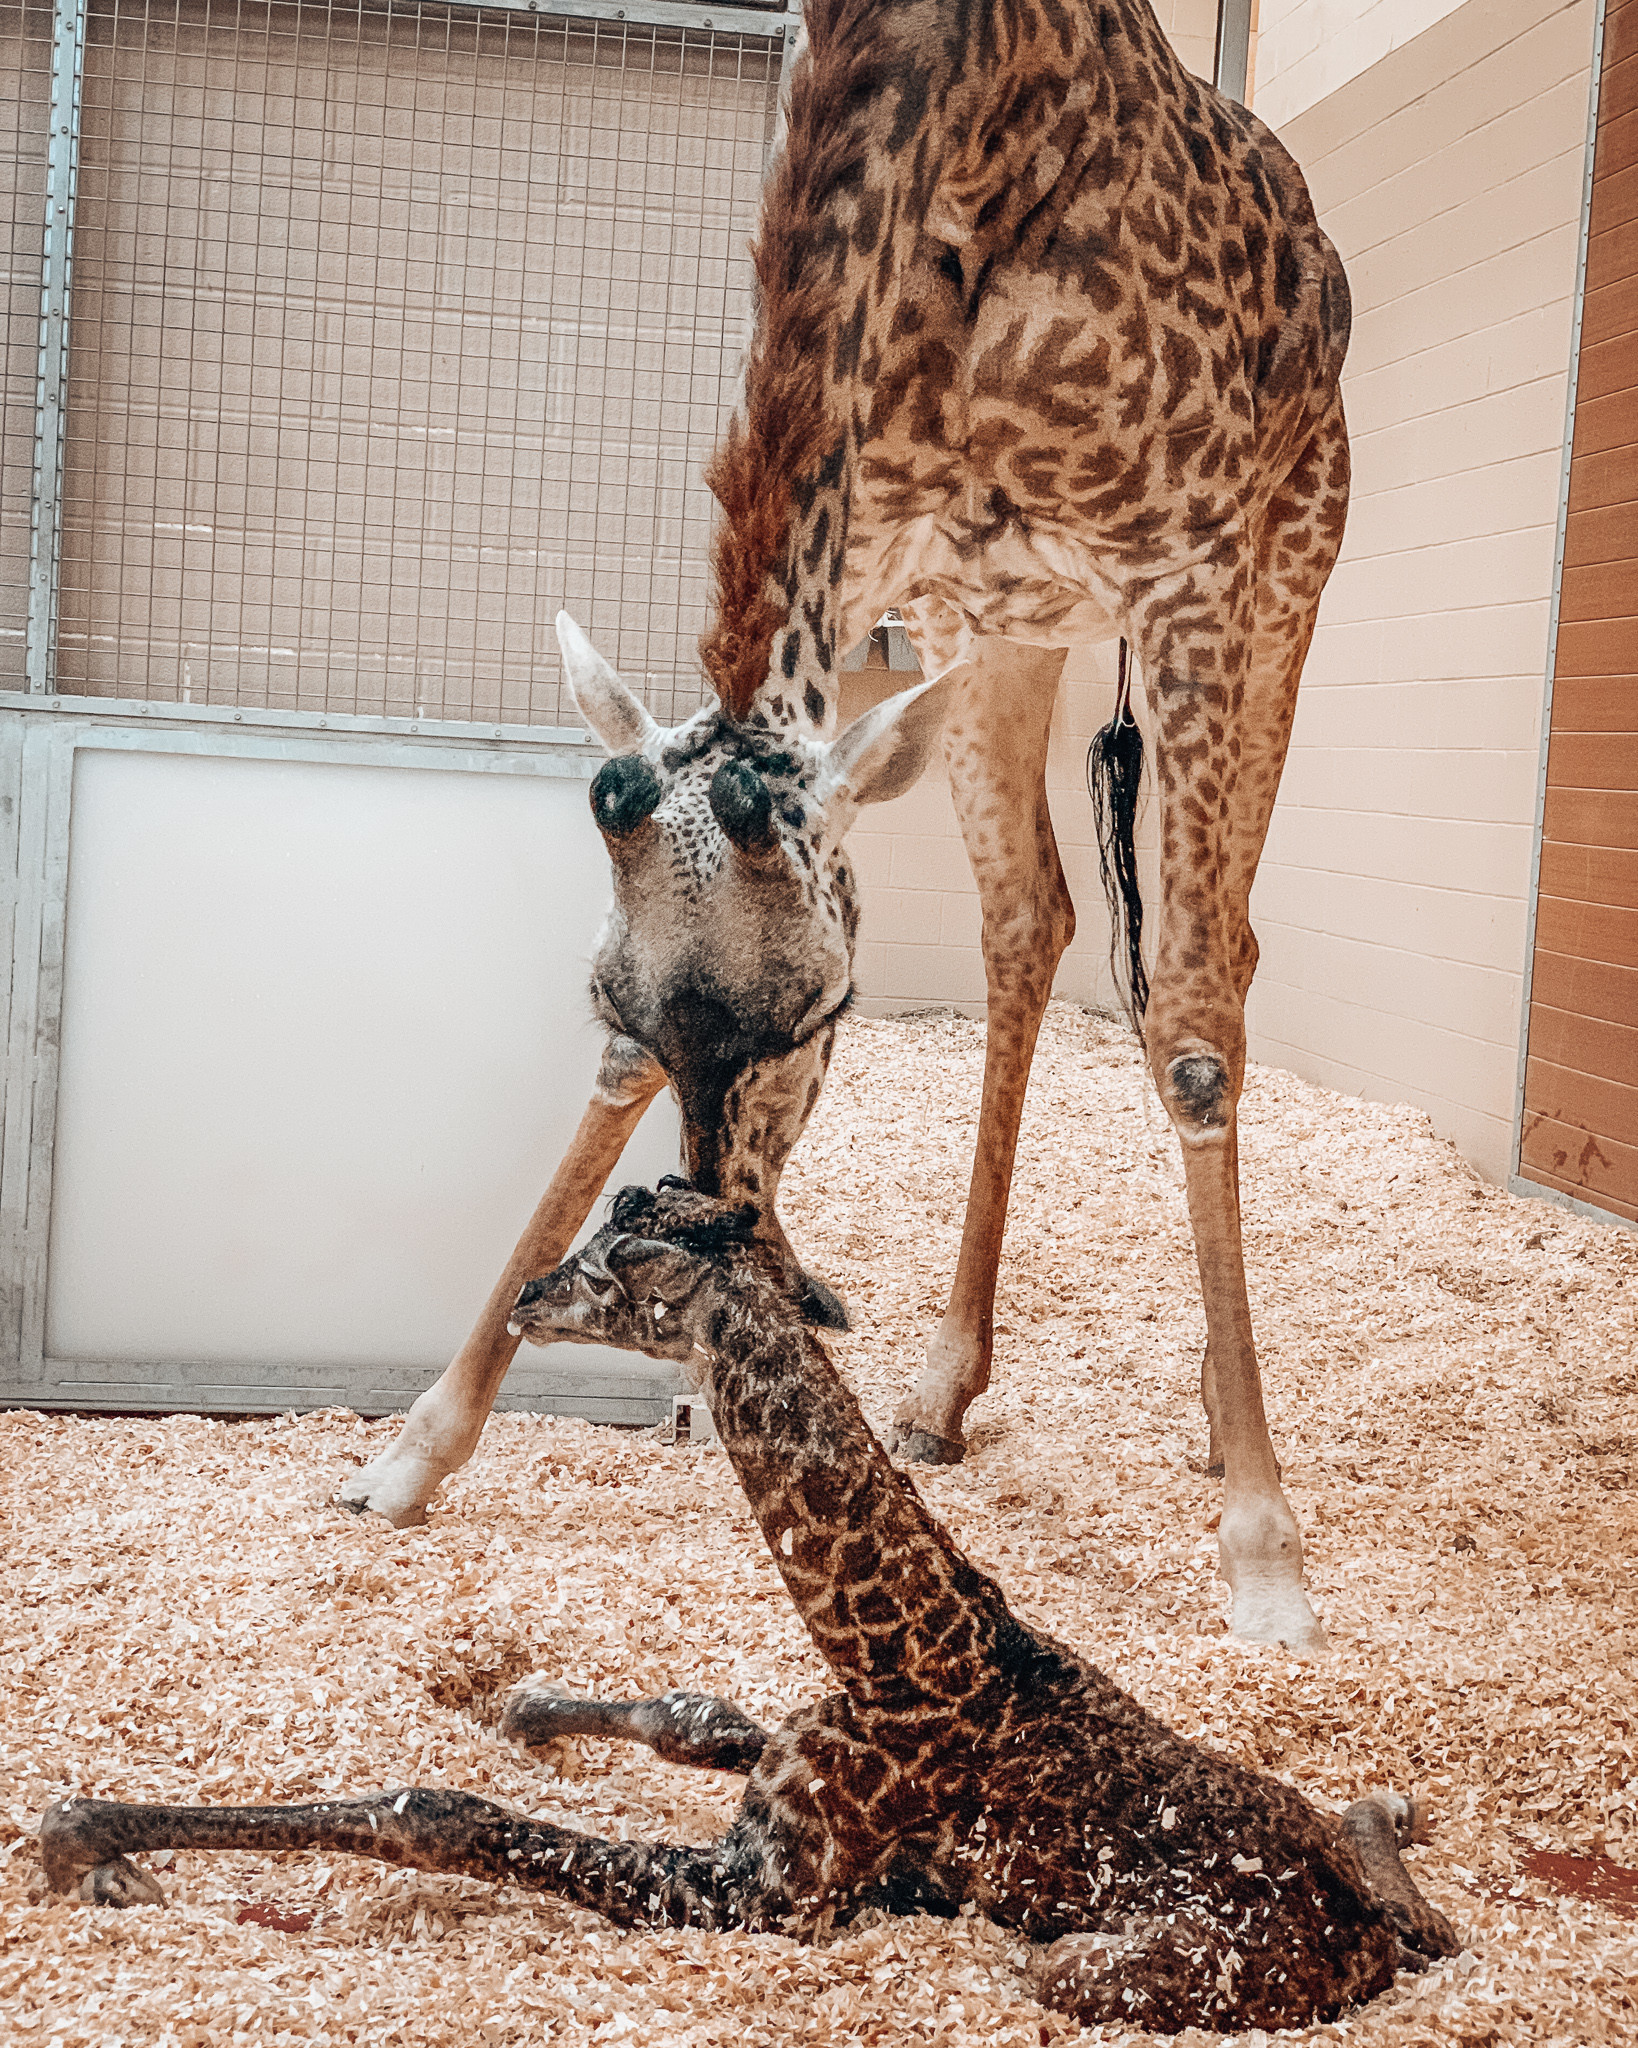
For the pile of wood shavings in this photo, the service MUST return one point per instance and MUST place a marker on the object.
(1451, 1379)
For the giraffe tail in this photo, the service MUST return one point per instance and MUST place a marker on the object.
(1114, 781)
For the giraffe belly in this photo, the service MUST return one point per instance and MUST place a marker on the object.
(1033, 586)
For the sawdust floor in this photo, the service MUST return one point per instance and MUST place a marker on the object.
(1451, 1380)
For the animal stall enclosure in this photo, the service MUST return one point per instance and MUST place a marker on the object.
(343, 345)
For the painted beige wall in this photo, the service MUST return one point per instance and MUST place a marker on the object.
(1392, 901)
(1308, 49)
(1192, 27)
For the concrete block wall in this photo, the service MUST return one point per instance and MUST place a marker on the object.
(1392, 903)
(1191, 26)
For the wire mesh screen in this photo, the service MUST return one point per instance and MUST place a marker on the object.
(394, 328)
(25, 114)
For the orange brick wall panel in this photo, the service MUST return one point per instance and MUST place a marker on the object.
(1609, 1109)
(1595, 703)
(1596, 647)
(1590, 874)
(1596, 761)
(1589, 817)
(1579, 1163)
(1599, 932)
(1580, 1124)
(1585, 988)
(1561, 1037)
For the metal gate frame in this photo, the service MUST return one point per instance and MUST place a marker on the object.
(38, 749)
(42, 730)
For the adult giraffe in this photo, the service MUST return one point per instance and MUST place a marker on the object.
(1047, 348)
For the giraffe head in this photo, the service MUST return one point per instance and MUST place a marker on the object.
(643, 1282)
(728, 951)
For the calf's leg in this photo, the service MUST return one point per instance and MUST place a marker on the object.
(85, 1844)
(682, 1727)
(1378, 1828)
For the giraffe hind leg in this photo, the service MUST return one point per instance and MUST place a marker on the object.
(85, 1845)
(1379, 1827)
(682, 1727)
(1162, 1974)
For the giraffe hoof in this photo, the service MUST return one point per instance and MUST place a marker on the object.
(921, 1447)
(822, 1306)
(540, 1710)
(1280, 1617)
(395, 1487)
(119, 1883)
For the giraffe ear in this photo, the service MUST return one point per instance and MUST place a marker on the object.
(881, 754)
(619, 719)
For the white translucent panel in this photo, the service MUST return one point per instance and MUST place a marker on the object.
(325, 1036)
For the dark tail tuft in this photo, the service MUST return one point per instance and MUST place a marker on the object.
(1114, 781)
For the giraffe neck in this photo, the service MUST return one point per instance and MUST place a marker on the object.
(805, 596)
(839, 224)
(892, 1606)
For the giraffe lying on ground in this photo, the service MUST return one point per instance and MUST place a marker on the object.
(1047, 349)
(966, 1758)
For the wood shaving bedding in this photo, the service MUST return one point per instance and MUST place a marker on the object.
(1451, 1374)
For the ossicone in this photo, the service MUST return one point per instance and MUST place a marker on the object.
(614, 712)
(624, 791)
(743, 806)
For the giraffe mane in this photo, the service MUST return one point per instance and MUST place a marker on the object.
(786, 426)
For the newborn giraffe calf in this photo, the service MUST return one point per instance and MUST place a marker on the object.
(966, 1758)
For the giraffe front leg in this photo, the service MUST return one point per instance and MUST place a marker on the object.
(682, 1727)
(441, 1430)
(86, 1844)
(995, 745)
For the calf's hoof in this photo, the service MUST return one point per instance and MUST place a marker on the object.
(540, 1715)
(822, 1306)
(74, 1845)
(1378, 1827)
(119, 1883)
(539, 1710)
